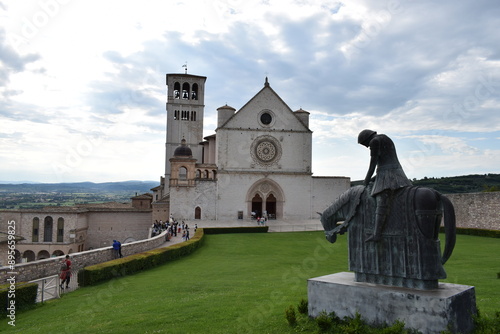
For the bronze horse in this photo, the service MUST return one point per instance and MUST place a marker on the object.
(409, 253)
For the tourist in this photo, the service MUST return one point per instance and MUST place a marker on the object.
(117, 249)
(65, 272)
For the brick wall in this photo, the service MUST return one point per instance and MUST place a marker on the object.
(477, 210)
(42, 268)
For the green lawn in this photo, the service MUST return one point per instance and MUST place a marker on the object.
(236, 283)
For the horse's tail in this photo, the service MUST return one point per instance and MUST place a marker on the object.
(450, 228)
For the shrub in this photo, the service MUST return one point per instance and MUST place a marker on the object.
(25, 297)
(243, 229)
(487, 325)
(291, 317)
(355, 326)
(302, 307)
(324, 321)
(101, 272)
(476, 232)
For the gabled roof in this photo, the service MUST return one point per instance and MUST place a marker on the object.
(267, 86)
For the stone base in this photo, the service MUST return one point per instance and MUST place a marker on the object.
(449, 307)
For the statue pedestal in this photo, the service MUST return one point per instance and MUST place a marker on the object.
(450, 306)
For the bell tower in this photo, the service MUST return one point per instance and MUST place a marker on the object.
(185, 109)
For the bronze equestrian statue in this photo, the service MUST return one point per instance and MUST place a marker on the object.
(393, 237)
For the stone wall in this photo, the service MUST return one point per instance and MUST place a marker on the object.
(477, 210)
(122, 225)
(43, 268)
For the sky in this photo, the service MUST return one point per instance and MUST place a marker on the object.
(82, 83)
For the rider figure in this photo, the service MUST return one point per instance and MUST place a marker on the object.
(390, 175)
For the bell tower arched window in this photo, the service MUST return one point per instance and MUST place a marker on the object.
(177, 90)
(194, 92)
(185, 91)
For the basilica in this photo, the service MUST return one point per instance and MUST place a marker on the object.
(258, 162)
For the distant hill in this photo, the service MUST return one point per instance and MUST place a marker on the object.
(458, 184)
(79, 187)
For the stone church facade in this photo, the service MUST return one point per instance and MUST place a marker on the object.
(258, 161)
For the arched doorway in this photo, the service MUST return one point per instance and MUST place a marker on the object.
(266, 196)
(29, 256)
(57, 253)
(43, 254)
(257, 205)
(271, 206)
(197, 213)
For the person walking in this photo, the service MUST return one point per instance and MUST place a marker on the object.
(65, 275)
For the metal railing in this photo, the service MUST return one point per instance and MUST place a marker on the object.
(50, 287)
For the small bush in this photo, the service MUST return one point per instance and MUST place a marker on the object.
(487, 325)
(356, 325)
(324, 321)
(397, 328)
(302, 307)
(290, 315)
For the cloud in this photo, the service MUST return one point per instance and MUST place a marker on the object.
(11, 62)
(426, 73)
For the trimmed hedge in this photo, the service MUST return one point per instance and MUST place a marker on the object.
(25, 297)
(243, 229)
(105, 271)
(476, 232)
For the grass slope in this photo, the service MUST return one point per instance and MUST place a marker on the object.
(236, 283)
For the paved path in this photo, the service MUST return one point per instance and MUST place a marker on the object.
(274, 226)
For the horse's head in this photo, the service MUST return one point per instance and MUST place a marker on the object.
(331, 236)
(343, 209)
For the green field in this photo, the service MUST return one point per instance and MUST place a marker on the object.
(236, 283)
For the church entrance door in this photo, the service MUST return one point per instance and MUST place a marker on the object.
(257, 205)
(197, 213)
(271, 206)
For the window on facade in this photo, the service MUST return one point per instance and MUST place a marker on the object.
(47, 229)
(176, 114)
(36, 227)
(193, 115)
(185, 115)
(60, 229)
(182, 173)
